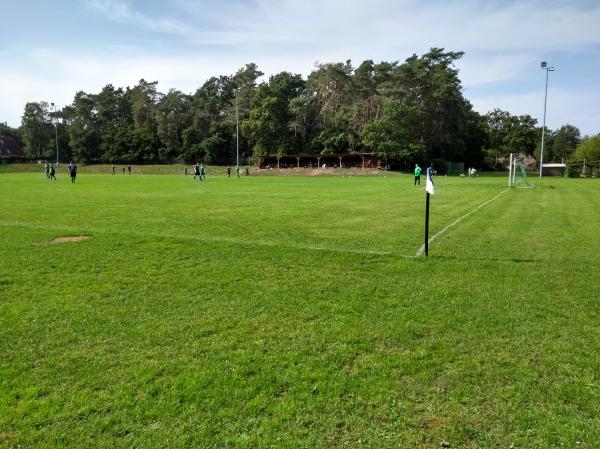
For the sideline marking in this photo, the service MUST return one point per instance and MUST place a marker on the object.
(458, 220)
(229, 240)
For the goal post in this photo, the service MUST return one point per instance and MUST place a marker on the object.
(510, 169)
(517, 172)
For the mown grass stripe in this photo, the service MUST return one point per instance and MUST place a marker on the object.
(455, 222)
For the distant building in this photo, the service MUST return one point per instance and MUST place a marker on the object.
(554, 169)
(11, 150)
(351, 160)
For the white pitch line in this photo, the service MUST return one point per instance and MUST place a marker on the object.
(229, 240)
(458, 220)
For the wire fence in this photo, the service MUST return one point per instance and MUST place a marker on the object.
(583, 169)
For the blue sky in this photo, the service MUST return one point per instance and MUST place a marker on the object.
(51, 49)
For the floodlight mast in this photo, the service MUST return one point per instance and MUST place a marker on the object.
(237, 135)
(55, 131)
(544, 66)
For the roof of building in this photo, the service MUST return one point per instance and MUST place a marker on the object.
(10, 147)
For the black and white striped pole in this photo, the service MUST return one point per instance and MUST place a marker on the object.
(429, 190)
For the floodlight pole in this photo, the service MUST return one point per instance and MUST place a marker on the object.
(55, 131)
(237, 135)
(544, 65)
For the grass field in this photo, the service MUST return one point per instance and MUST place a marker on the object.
(288, 312)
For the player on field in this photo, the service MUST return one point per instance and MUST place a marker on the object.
(197, 172)
(417, 175)
(202, 172)
(72, 171)
(52, 172)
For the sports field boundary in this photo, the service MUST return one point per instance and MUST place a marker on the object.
(421, 250)
(229, 240)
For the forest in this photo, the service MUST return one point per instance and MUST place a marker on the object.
(407, 112)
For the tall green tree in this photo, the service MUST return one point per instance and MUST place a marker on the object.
(511, 134)
(84, 131)
(332, 90)
(143, 98)
(211, 101)
(268, 127)
(522, 136)
(589, 149)
(38, 131)
(174, 115)
(219, 147)
(304, 122)
(395, 134)
(566, 140)
(7, 131)
(476, 138)
(245, 81)
(431, 84)
(115, 121)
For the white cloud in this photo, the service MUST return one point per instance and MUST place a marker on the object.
(477, 69)
(391, 23)
(577, 107)
(120, 11)
(56, 77)
(503, 42)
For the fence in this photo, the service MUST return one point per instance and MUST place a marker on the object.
(583, 169)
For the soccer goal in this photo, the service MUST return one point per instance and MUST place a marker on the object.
(517, 173)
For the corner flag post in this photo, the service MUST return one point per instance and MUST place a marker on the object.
(427, 224)
(429, 190)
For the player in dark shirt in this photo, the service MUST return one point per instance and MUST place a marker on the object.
(73, 171)
(197, 172)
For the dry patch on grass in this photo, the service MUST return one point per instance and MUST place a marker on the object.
(8, 437)
(74, 238)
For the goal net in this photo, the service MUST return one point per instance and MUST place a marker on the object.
(517, 173)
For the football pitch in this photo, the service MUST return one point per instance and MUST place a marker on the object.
(287, 312)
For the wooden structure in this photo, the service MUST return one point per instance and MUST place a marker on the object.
(553, 169)
(351, 160)
(11, 150)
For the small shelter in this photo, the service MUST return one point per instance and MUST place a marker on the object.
(350, 160)
(11, 150)
(553, 169)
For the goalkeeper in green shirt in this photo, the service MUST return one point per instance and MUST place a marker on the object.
(417, 175)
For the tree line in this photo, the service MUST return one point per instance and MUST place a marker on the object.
(407, 112)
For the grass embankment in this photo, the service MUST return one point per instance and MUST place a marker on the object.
(282, 312)
(179, 169)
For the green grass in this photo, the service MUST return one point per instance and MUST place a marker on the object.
(289, 312)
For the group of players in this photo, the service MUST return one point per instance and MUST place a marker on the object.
(50, 171)
(200, 172)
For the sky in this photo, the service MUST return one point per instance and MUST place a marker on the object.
(49, 50)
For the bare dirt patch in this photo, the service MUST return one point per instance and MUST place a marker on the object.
(74, 238)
